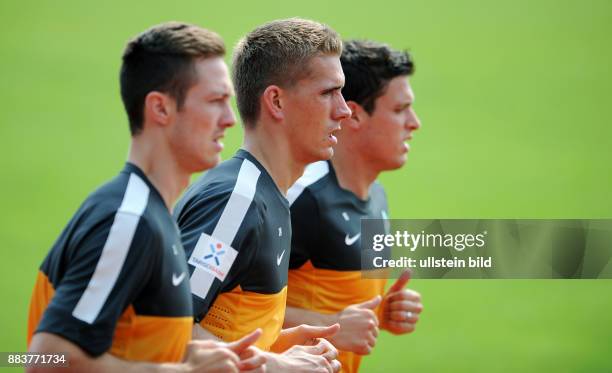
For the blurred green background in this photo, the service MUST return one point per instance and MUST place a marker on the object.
(513, 97)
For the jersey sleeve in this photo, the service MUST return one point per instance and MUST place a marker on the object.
(304, 228)
(220, 233)
(106, 268)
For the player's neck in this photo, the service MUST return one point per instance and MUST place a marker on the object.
(158, 164)
(353, 173)
(272, 151)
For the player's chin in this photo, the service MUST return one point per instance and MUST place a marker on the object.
(322, 152)
(208, 161)
(395, 162)
(401, 160)
(325, 153)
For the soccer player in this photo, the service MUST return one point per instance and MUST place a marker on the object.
(330, 199)
(235, 221)
(113, 292)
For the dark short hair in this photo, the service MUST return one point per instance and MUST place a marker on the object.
(368, 67)
(277, 53)
(162, 59)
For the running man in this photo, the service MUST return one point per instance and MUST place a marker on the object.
(330, 199)
(235, 220)
(113, 292)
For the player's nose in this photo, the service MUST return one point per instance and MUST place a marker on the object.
(412, 121)
(228, 118)
(342, 111)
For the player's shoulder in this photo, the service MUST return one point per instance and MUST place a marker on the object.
(126, 191)
(377, 191)
(377, 187)
(130, 193)
(223, 198)
(377, 204)
(215, 187)
(316, 177)
(115, 209)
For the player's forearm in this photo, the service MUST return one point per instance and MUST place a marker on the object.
(199, 333)
(109, 363)
(103, 365)
(298, 316)
(79, 361)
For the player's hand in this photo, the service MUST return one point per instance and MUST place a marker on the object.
(302, 335)
(210, 357)
(252, 359)
(247, 357)
(358, 327)
(320, 358)
(400, 307)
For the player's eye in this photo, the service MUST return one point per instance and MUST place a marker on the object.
(329, 92)
(402, 108)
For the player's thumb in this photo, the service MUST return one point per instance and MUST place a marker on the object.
(243, 343)
(320, 331)
(370, 304)
(401, 282)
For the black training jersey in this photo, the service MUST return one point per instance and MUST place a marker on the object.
(116, 278)
(325, 265)
(326, 219)
(236, 230)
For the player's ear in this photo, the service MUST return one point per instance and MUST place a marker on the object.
(272, 102)
(358, 115)
(159, 108)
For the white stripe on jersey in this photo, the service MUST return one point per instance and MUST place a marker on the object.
(312, 174)
(231, 218)
(114, 252)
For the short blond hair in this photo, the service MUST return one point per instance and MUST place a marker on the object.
(277, 53)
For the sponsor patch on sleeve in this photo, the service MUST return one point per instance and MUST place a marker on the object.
(214, 256)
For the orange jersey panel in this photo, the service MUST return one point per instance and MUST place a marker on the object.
(237, 313)
(41, 296)
(137, 337)
(330, 291)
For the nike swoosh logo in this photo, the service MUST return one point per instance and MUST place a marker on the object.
(176, 280)
(348, 240)
(279, 258)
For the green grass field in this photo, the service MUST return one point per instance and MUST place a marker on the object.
(513, 97)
